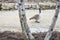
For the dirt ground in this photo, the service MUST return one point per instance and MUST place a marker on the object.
(7, 35)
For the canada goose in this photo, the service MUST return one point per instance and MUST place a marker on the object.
(36, 17)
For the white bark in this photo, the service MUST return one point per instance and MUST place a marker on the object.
(24, 25)
(49, 33)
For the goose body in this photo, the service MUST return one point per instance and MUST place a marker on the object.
(35, 17)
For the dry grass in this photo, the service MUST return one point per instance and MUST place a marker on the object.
(18, 36)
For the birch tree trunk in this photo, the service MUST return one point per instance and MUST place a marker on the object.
(49, 34)
(23, 21)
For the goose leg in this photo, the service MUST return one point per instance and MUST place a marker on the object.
(37, 21)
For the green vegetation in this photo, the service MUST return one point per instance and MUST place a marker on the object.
(47, 7)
